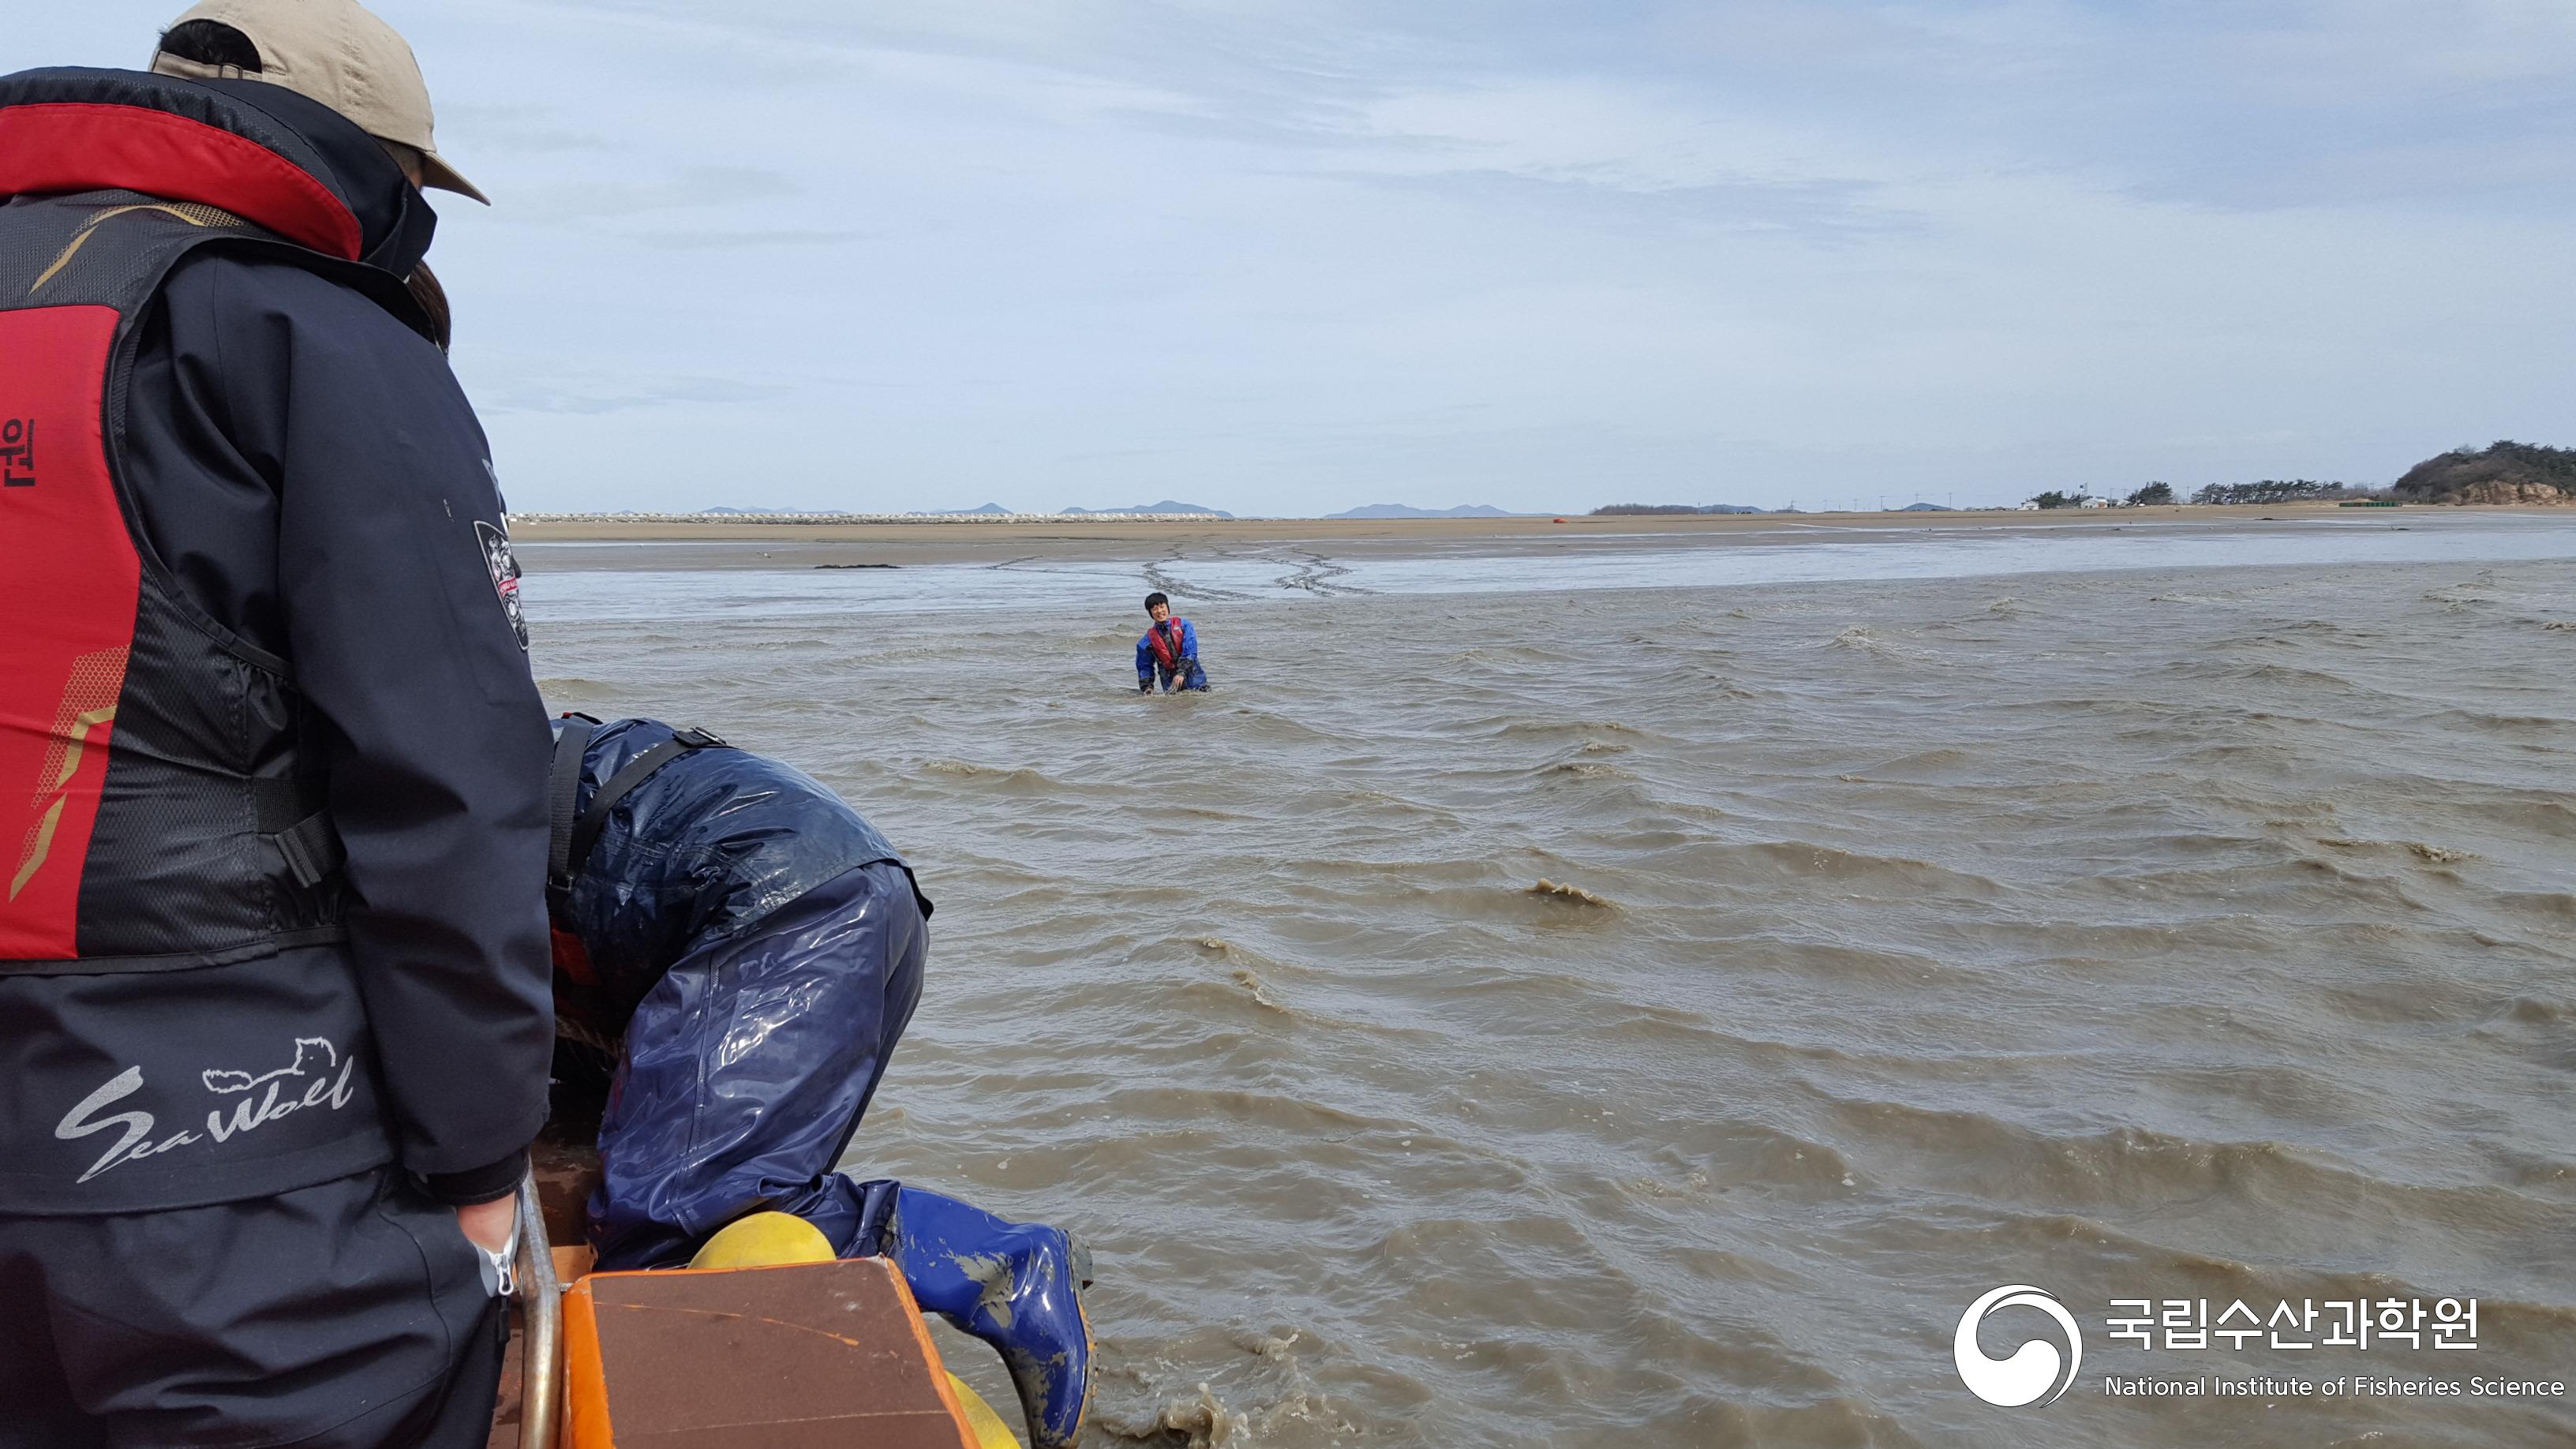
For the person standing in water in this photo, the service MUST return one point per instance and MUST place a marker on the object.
(1169, 652)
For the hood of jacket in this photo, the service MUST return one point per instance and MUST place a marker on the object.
(260, 151)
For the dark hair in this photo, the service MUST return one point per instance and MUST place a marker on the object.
(210, 42)
(1157, 597)
(425, 290)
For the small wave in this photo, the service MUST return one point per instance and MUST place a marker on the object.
(1690, 1184)
(2532, 1011)
(2285, 674)
(1866, 640)
(1241, 956)
(1562, 726)
(2552, 906)
(1587, 770)
(1201, 1423)
(1785, 859)
(2438, 855)
(1570, 894)
(1271, 1347)
(1922, 767)
(556, 687)
(1381, 797)
(1250, 980)
(2010, 607)
(967, 770)
(2457, 595)
(1728, 687)
(2479, 719)
(2544, 811)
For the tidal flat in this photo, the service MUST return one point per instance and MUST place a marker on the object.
(1588, 990)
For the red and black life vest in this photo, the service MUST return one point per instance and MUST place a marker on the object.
(160, 798)
(1167, 641)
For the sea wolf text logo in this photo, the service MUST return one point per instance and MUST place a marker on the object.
(2031, 1370)
(308, 1083)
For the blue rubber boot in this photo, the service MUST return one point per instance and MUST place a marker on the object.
(1017, 1286)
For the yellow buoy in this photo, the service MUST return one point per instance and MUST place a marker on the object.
(765, 1240)
(987, 1427)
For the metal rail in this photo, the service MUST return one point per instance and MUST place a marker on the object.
(541, 1304)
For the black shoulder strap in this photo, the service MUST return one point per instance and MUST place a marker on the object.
(594, 818)
(563, 797)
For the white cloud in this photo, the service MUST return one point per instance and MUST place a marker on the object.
(1293, 257)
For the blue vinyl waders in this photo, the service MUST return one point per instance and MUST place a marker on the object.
(794, 941)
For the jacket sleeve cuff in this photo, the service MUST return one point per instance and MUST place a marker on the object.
(478, 1185)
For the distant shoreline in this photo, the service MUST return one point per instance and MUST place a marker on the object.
(692, 541)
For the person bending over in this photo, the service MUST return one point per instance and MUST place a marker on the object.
(737, 952)
(1169, 652)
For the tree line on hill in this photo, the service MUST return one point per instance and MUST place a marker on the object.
(2277, 490)
(2155, 495)
(2501, 472)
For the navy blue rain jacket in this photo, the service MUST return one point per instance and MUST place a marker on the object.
(710, 847)
(308, 468)
(746, 950)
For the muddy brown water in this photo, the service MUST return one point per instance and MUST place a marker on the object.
(1643, 1016)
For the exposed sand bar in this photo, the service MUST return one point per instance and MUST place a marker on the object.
(717, 543)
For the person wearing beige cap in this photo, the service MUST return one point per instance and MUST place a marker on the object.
(274, 1013)
(339, 53)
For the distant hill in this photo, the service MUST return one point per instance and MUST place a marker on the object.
(1407, 510)
(1166, 506)
(952, 512)
(2502, 472)
(1633, 510)
(1923, 508)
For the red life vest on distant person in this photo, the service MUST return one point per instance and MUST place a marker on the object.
(1166, 639)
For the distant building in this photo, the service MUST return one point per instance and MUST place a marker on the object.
(2093, 503)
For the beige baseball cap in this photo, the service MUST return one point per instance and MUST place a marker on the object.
(339, 53)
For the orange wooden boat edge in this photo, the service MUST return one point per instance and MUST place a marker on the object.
(587, 1423)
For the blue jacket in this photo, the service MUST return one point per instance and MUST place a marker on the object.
(1147, 662)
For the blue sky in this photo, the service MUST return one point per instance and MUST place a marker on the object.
(1288, 258)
